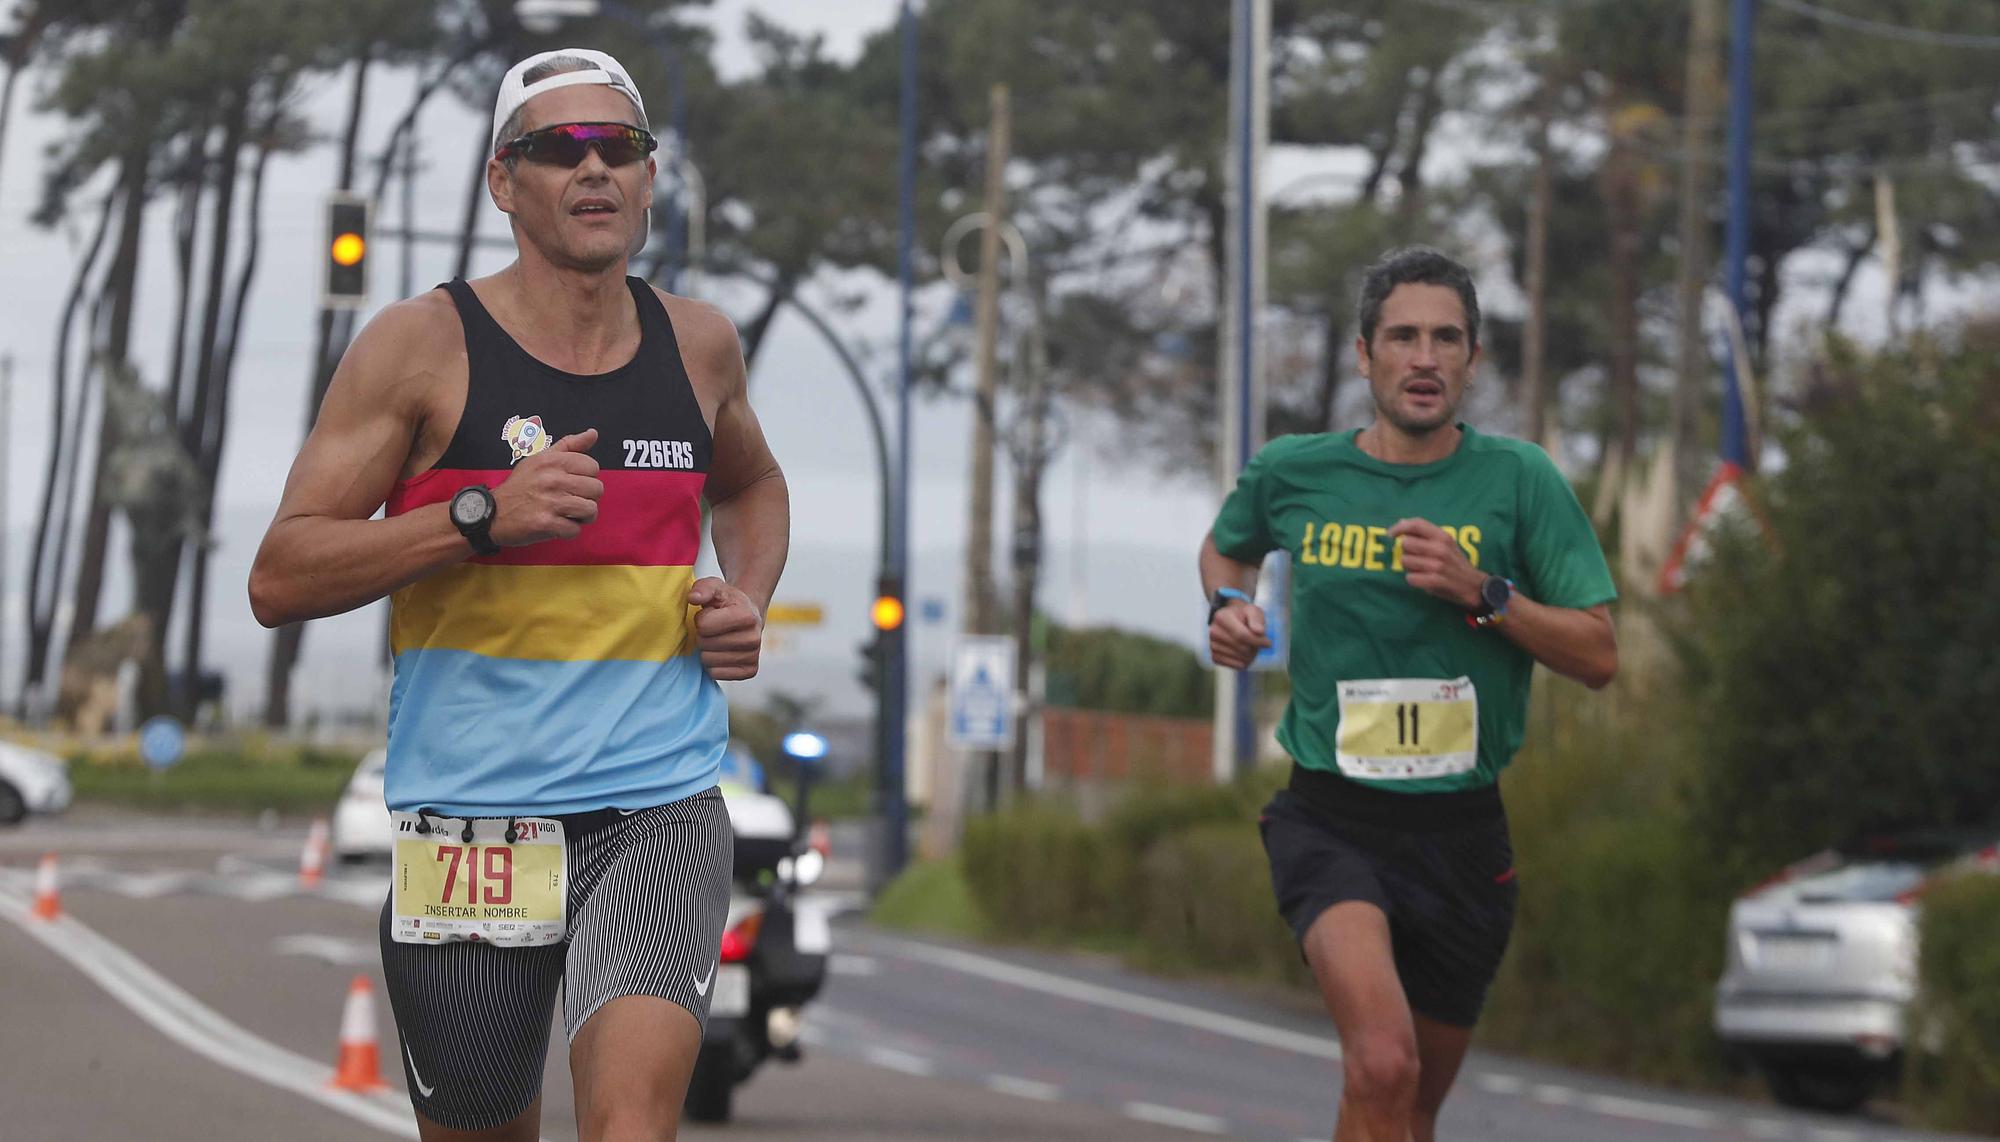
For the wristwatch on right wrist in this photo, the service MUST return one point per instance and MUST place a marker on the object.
(472, 512)
(1222, 598)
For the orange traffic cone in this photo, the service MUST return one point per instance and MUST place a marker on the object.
(48, 899)
(312, 859)
(360, 1064)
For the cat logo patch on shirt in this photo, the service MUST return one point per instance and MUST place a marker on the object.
(525, 435)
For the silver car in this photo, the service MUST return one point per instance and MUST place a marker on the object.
(361, 819)
(31, 781)
(1822, 966)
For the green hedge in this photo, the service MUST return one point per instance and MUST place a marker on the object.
(220, 780)
(1206, 906)
(1958, 1087)
(1040, 872)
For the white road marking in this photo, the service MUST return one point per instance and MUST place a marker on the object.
(894, 1060)
(1663, 1113)
(1159, 1115)
(336, 950)
(1554, 1095)
(1493, 1082)
(841, 964)
(182, 1018)
(1024, 1088)
(1767, 1128)
(1164, 1010)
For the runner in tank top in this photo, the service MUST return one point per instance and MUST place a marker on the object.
(541, 442)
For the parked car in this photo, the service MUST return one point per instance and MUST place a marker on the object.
(31, 781)
(1822, 965)
(361, 819)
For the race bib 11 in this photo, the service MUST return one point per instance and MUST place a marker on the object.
(1402, 729)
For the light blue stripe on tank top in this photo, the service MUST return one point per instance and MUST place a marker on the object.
(472, 735)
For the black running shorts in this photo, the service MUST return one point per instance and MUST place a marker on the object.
(1448, 891)
(648, 895)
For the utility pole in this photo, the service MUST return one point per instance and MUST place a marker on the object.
(1534, 338)
(6, 417)
(1892, 247)
(1704, 70)
(1030, 455)
(1736, 237)
(891, 725)
(979, 608)
(1240, 379)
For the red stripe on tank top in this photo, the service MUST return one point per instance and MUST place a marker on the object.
(645, 518)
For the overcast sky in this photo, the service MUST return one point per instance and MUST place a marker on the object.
(1140, 534)
(1120, 538)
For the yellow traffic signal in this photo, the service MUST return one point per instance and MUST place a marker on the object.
(887, 612)
(344, 282)
(348, 248)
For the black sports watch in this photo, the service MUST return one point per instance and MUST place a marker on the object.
(1495, 593)
(472, 511)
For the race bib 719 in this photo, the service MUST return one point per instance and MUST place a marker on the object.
(487, 889)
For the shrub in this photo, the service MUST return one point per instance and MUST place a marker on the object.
(1039, 872)
(1958, 964)
(1845, 671)
(1207, 906)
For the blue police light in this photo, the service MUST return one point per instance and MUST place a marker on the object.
(805, 746)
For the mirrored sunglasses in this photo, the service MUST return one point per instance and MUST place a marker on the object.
(565, 144)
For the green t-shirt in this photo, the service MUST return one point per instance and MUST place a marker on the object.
(1363, 640)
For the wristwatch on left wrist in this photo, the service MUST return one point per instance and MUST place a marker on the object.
(1495, 592)
(472, 511)
(1222, 598)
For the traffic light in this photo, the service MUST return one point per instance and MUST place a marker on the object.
(886, 614)
(345, 285)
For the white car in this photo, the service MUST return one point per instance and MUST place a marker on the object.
(361, 820)
(1822, 964)
(31, 781)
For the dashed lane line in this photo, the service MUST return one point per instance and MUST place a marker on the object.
(1173, 1116)
(1024, 1088)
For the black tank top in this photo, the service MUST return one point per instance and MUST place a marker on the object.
(650, 392)
(561, 676)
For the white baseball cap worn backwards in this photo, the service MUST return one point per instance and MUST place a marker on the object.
(514, 93)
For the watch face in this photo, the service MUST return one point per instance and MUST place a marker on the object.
(1495, 592)
(468, 507)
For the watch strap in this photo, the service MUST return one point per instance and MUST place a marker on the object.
(1222, 598)
(480, 534)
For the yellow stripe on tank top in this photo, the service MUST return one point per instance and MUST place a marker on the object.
(561, 614)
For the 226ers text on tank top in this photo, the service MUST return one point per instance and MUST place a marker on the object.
(561, 676)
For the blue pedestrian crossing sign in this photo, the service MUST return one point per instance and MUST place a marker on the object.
(982, 693)
(162, 742)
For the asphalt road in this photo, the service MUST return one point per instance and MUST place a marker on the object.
(194, 991)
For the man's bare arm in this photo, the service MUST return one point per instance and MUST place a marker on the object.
(1237, 632)
(323, 555)
(1576, 643)
(750, 511)
(750, 506)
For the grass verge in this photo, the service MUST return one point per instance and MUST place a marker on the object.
(931, 897)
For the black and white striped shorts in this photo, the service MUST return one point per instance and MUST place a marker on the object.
(648, 895)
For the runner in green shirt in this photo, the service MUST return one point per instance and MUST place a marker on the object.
(1432, 567)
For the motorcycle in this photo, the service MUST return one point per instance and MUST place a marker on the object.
(774, 952)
